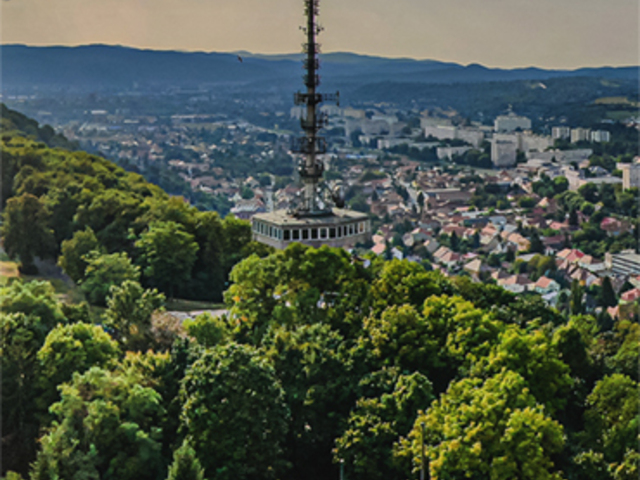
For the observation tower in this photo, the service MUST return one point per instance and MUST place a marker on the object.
(317, 217)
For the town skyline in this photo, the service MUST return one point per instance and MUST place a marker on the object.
(560, 35)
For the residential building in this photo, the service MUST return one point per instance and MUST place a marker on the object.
(528, 142)
(630, 174)
(546, 285)
(392, 142)
(600, 136)
(613, 226)
(511, 123)
(446, 131)
(449, 152)
(580, 135)
(503, 152)
(623, 263)
(561, 156)
(560, 133)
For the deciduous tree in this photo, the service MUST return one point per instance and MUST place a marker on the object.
(489, 428)
(129, 310)
(234, 410)
(26, 231)
(107, 428)
(105, 271)
(72, 258)
(168, 253)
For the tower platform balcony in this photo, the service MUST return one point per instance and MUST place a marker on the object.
(340, 228)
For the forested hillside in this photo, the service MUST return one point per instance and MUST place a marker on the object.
(84, 211)
(323, 359)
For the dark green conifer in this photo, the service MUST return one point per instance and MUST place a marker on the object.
(186, 465)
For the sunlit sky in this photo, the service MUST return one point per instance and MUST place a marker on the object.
(496, 33)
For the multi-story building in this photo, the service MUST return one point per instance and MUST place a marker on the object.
(511, 123)
(623, 263)
(503, 151)
(580, 134)
(441, 132)
(560, 133)
(600, 136)
(449, 152)
(562, 156)
(445, 131)
(528, 142)
(630, 174)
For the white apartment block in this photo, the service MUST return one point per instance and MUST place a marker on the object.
(630, 174)
(624, 263)
(580, 134)
(536, 143)
(392, 142)
(434, 122)
(449, 152)
(503, 151)
(561, 156)
(560, 133)
(577, 179)
(441, 132)
(511, 123)
(600, 136)
(371, 127)
(472, 135)
(526, 142)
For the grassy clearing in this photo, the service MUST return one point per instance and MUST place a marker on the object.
(66, 290)
(180, 305)
(612, 101)
(70, 293)
(619, 115)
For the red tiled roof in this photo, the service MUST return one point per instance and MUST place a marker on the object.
(543, 282)
(379, 248)
(631, 295)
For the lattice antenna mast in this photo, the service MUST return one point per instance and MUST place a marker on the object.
(312, 145)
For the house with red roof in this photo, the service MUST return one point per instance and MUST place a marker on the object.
(570, 255)
(629, 304)
(379, 248)
(630, 295)
(546, 285)
(613, 226)
(516, 283)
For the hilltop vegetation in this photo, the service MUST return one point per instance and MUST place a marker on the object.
(87, 211)
(322, 357)
(14, 123)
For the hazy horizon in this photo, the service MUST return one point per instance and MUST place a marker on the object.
(284, 54)
(565, 34)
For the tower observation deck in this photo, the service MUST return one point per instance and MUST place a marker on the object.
(317, 217)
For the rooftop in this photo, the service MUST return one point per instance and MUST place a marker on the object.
(284, 218)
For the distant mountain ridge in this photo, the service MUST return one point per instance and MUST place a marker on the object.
(104, 67)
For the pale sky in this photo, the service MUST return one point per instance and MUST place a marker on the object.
(495, 33)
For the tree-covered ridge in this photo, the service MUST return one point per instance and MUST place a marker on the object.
(15, 123)
(322, 358)
(98, 218)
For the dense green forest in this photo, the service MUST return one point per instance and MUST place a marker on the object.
(87, 212)
(322, 359)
